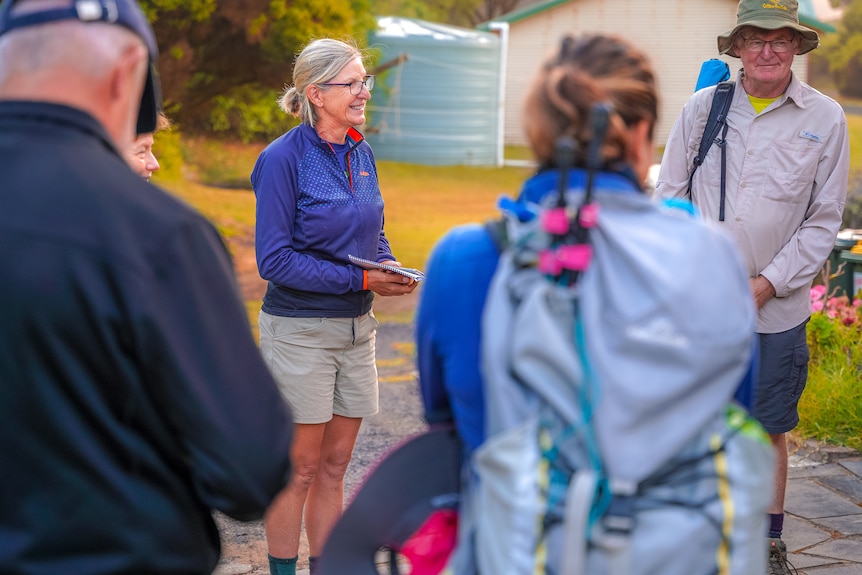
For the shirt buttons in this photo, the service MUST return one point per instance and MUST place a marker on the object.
(738, 219)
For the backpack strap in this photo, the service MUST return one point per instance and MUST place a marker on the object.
(498, 232)
(722, 143)
(717, 120)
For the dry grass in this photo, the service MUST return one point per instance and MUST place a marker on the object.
(422, 202)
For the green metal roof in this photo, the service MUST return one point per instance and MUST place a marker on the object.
(806, 15)
(525, 12)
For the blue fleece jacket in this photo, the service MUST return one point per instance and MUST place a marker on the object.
(449, 317)
(311, 213)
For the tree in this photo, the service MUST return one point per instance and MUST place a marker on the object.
(466, 13)
(223, 62)
(487, 10)
(844, 51)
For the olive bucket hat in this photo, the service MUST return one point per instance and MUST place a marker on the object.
(768, 15)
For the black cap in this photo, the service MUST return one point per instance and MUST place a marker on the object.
(121, 12)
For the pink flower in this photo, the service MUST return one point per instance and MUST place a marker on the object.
(817, 292)
(817, 305)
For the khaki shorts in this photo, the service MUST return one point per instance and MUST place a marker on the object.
(323, 365)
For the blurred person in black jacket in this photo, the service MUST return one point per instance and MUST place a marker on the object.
(133, 398)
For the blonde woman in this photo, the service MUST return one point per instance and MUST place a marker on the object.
(318, 201)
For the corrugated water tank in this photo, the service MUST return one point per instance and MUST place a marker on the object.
(439, 105)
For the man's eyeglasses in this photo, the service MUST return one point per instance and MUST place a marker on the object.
(756, 46)
(355, 87)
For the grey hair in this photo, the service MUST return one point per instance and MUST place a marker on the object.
(318, 63)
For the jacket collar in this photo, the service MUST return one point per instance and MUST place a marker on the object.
(354, 136)
(29, 113)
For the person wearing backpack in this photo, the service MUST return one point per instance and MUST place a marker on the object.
(776, 181)
(448, 342)
(587, 350)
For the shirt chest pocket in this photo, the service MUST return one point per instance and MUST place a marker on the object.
(791, 168)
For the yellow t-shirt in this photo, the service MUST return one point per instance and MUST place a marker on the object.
(760, 104)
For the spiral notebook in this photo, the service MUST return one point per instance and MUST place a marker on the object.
(411, 273)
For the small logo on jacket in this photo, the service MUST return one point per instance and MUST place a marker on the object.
(809, 136)
(363, 173)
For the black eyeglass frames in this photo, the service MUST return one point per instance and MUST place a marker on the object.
(354, 87)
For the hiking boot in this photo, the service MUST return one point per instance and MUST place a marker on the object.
(777, 563)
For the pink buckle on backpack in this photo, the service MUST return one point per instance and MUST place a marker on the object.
(576, 257)
(555, 221)
(588, 216)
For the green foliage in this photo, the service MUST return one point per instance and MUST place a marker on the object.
(854, 132)
(223, 63)
(852, 216)
(167, 147)
(831, 407)
(250, 113)
(197, 10)
(844, 51)
(430, 10)
(853, 208)
(466, 13)
(290, 28)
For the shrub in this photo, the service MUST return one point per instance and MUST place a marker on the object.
(831, 407)
(249, 112)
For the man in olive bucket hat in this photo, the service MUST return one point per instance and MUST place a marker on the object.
(785, 166)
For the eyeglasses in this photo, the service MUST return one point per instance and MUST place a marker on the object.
(355, 87)
(756, 46)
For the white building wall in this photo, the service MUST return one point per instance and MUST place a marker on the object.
(677, 36)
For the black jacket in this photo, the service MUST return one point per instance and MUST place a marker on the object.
(133, 399)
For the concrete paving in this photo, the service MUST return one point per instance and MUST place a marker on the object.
(823, 510)
(823, 523)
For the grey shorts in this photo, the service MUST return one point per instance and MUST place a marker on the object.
(323, 365)
(783, 372)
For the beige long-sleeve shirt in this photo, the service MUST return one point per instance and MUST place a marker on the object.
(786, 184)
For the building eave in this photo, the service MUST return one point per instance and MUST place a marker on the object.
(529, 11)
(523, 13)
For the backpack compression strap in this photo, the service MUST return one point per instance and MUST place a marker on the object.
(717, 120)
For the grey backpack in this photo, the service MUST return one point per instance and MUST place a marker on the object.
(612, 348)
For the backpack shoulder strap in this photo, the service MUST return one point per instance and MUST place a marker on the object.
(721, 99)
(498, 231)
(717, 119)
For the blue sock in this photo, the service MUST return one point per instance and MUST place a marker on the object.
(312, 562)
(279, 566)
(776, 525)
